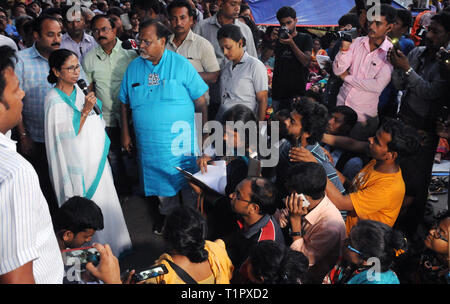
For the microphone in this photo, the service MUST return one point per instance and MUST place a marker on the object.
(130, 44)
(83, 86)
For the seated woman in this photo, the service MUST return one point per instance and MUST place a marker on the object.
(272, 263)
(191, 258)
(243, 79)
(77, 148)
(317, 50)
(218, 208)
(435, 260)
(368, 255)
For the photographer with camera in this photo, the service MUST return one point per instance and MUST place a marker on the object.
(292, 58)
(421, 107)
(363, 66)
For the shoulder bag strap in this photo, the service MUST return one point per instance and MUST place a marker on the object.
(181, 273)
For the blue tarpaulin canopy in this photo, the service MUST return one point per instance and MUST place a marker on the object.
(309, 12)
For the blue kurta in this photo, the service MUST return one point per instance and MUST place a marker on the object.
(161, 99)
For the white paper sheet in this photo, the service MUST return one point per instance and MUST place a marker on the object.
(216, 177)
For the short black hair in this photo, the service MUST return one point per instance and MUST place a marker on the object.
(100, 16)
(307, 178)
(443, 18)
(181, 3)
(37, 26)
(404, 138)
(56, 60)
(378, 240)
(115, 10)
(389, 13)
(349, 19)
(8, 59)
(52, 10)
(78, 214)
(263, 194)
(278, 264)
(285, 12)
(314, 119)
(350, 116)
(405, 16)
(185, 231)
(147, 5)
(311, 94)
(162, 31)
(232, 32)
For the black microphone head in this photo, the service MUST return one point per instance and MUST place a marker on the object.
(82, 84)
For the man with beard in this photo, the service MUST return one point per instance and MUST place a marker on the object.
(32, 70)
(304, 129)
(378, 190)
(163, 91)
(421, 107)
(105, 66)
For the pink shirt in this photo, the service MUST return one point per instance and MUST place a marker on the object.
(369, 73)
(324, 230)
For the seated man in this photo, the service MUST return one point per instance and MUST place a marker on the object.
(75, 223)
(341, 122)
(253, 202)
(378, 190)
(317, 230)
(303, 129)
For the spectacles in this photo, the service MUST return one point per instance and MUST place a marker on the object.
(437, 233)
(237, 195)
(146, 43)
(72, 68)
(105, 30)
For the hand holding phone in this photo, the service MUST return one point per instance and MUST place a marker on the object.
(152, 272)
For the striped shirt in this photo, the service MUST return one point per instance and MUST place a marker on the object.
(32, 70)
(86, 44)
(26, 229)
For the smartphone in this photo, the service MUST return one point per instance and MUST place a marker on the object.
(152, 272)
(79, 257)
(306, 203)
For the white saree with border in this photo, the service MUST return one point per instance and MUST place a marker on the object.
(78, 163)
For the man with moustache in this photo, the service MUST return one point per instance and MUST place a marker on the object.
(32, 70)
(105, 66)
(185, 42)
(421, 107)
(163, 91)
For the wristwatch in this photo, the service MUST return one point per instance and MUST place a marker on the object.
(292, 233)
(409, 71)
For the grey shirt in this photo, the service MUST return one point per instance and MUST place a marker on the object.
(240, 84)
(424, 93)
(208, 29)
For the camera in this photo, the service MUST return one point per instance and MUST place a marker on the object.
(444, 56)
(347, 35)
(283, 33)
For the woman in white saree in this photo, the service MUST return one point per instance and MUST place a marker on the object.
(77, 148)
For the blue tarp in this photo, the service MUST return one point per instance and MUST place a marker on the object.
(309, 12)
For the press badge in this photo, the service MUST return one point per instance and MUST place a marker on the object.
(153, 79)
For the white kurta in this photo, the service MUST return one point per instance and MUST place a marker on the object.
(75, 164)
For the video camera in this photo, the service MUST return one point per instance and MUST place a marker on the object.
(346, 35)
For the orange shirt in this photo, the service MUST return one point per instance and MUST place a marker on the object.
(378, 196)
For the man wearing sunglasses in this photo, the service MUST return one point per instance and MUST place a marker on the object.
(105, 66)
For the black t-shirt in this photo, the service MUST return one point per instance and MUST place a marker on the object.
(289, 75)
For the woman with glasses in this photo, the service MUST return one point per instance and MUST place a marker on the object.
(77, 148)
(368, 255)
(435, 260)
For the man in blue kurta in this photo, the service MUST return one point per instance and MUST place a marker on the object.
(163, 91)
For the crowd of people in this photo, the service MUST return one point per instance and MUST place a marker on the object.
(103, 103)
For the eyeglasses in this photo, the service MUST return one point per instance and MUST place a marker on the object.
(146, 43)
(3, 17)
(237, 195)
(105, 30)
(437, 233)
(72, 68)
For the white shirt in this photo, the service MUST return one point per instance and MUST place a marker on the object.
(26, 229)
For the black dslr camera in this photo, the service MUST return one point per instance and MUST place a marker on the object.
(283, 32)
(346, 35)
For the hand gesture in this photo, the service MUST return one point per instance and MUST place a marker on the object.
(108, 269)
(294, 204)
(300, 154)
(288, 41)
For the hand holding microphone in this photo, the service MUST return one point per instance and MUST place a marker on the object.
(90, 99)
